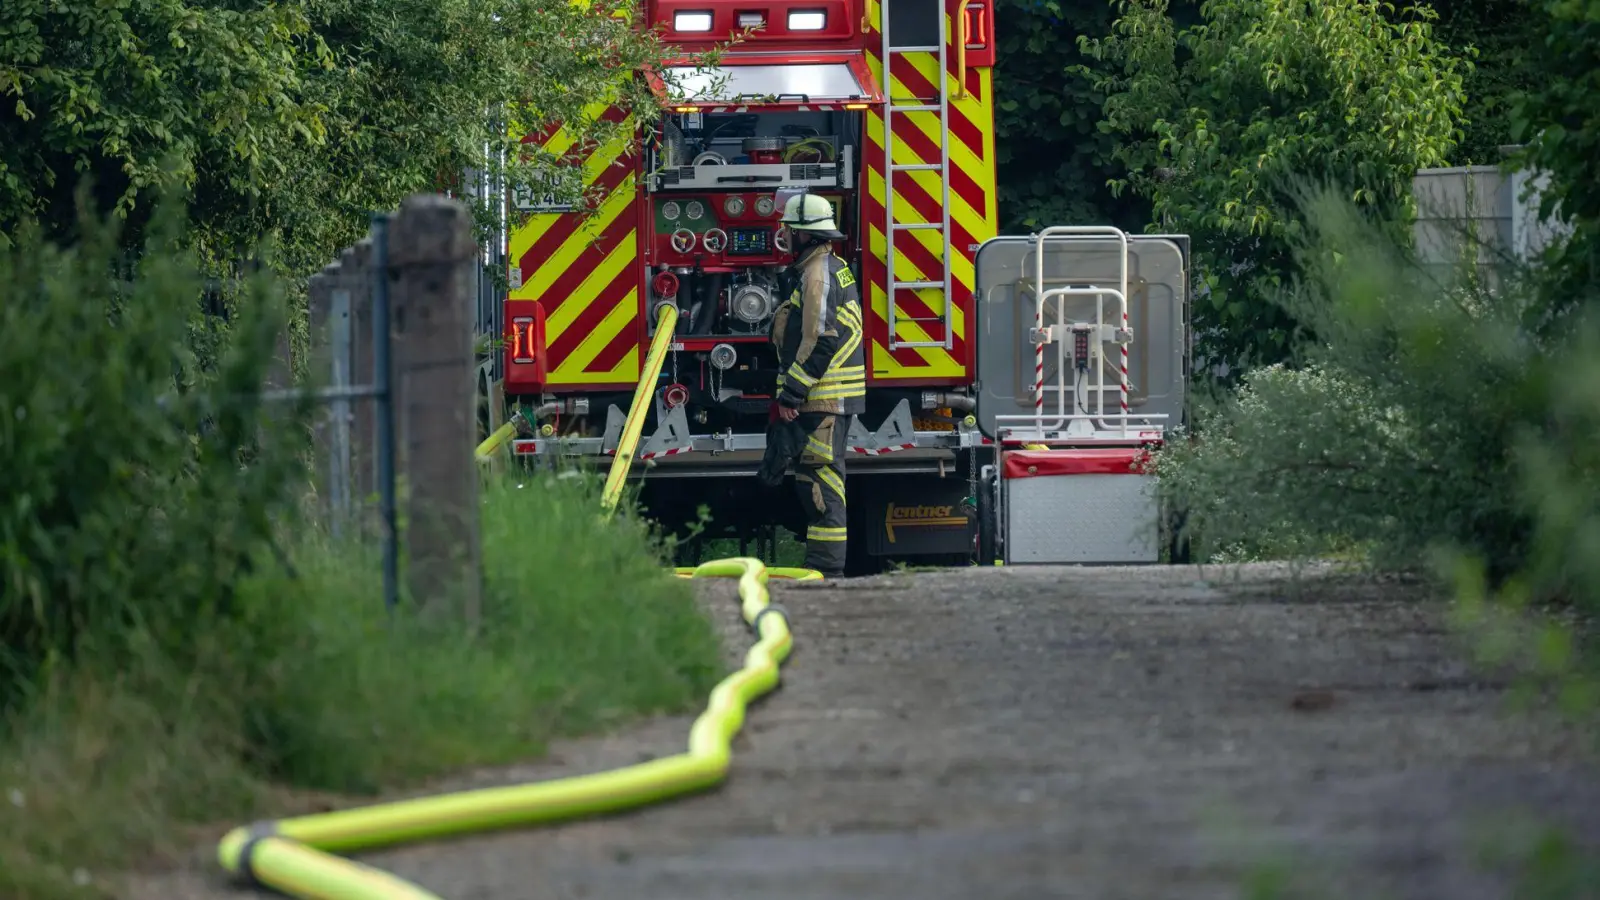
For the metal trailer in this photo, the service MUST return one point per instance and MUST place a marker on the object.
(1083, 365)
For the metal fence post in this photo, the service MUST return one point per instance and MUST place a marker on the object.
(382, 337)
(339, 440)
(363, 432)
(321, 355)
(432, 255)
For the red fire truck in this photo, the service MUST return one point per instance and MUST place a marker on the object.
(887, 109)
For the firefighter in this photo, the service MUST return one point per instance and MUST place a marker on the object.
(822, 373)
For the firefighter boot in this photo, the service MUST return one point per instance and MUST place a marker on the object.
(819, 477)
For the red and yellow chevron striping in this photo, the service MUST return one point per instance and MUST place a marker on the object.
(585, 272)
(920, 197)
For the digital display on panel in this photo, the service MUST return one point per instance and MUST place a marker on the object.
(749, 242)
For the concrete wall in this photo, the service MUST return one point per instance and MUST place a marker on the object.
(1483, 206)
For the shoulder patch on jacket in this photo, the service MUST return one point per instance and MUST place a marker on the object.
(843, 276)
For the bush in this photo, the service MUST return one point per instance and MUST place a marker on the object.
(128, 501)
(1396, 427)
(1434, 425)
(182, 646)
(1437, 426)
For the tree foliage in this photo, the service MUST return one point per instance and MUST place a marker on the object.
(1053, 161)
(1396, 428)
(1216, 119)
(1560, 120)
(1502, 38)
(112, 90)
(416, 92)
(293, 119)
(1056, 165)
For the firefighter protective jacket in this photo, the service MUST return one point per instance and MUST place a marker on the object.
(821, 364)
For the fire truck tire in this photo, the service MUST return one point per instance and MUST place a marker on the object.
(858, 562)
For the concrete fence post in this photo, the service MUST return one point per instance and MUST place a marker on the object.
(431, 258)
(340, 377)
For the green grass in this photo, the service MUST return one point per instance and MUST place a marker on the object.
(314, 688)
(790, 550)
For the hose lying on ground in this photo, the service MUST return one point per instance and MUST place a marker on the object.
(296, 856)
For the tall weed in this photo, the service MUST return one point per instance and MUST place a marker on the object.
(128, 504)
(583, 627)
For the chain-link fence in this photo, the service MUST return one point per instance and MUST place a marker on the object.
(392, 364)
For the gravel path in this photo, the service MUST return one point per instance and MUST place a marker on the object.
(1029, 733)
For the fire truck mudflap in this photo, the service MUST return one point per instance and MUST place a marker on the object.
(1083, 362)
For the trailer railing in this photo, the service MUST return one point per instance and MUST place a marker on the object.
(1088, 351)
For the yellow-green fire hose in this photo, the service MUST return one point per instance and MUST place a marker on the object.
(785, 572)
(295, 856)
(666, 323)
(494, 441)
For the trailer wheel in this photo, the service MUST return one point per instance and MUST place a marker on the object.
(988, 527)
(857, 561)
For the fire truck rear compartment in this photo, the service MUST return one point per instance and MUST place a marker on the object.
(716, 245)
(716, 248)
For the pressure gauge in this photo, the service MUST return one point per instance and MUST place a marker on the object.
(670, 210)
(734, 205)
(695, 209)
(765, 205)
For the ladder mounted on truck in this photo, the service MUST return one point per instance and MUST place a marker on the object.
(893, 107)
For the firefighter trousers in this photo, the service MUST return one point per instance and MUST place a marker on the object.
(819, 478)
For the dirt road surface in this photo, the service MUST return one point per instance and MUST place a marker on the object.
(1072, 733)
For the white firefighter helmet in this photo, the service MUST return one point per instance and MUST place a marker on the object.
(806, 211)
